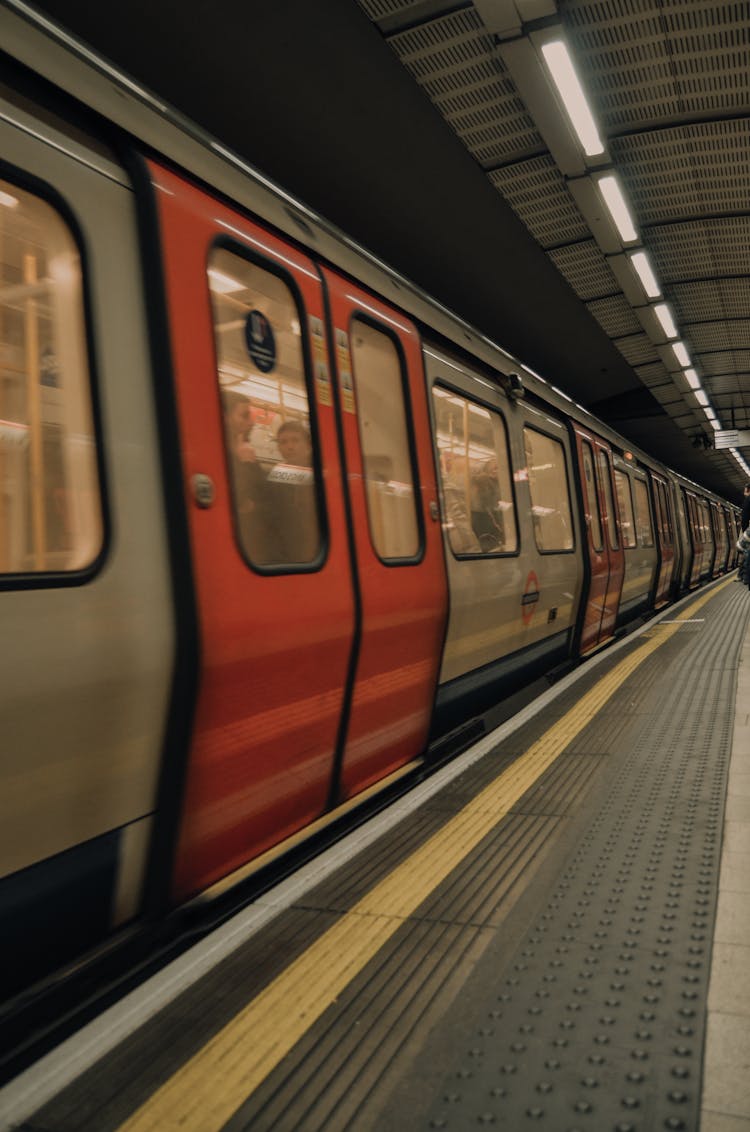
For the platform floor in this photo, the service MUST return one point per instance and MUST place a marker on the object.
(551, 932)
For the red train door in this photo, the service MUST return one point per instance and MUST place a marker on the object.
(397, 537)
(274, 583)
(665, 537)
(605, 554)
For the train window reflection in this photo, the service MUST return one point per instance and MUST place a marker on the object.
(603, 459)
(643, 513)
(592, 496)
(625, 504)
(475, 476)
(266, 411)
(50, 506)
(381, 414)
(548, 486)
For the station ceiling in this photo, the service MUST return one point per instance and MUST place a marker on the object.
(431, 132)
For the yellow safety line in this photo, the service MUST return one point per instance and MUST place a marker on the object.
(208, 1089)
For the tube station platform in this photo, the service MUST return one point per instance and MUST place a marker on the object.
(550, 932)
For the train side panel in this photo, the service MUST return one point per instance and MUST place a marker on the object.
(84, 573)
(514, 585)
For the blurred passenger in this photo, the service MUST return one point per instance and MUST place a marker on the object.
(486, 516)
(291, 486)
(294, 444)
(743, 563)
(745, 517)
(249, 488)
(455, 500)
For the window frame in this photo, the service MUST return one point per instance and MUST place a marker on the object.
(587, 446)
(604, 461)
(624, 473)
(236, 247)
(652, 525)
(375, 323)
(666, 505)
(48, 193)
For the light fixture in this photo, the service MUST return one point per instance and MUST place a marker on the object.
(664, 315)
(561, 69)
(640, 262)
(680, 352)
(609, 187)
(700, 397)
(512, 385)
(692, 379)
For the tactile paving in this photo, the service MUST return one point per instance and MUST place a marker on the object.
(596, 1020)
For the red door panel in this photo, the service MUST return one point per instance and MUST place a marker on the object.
(275, 647)
(403, 603)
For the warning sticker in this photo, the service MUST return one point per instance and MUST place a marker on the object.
(344, 363)
(320, 362)
(530, 597)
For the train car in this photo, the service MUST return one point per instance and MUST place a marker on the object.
(275, 528)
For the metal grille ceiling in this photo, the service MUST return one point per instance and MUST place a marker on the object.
(669, 84)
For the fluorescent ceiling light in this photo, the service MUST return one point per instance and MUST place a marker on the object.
(700, 397)
(610, 189)
(570, 90)
(692, 379)
(680, 352)
(663, 313)
(642, 266)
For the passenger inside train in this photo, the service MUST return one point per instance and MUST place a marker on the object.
(291, 495)
(251, 503)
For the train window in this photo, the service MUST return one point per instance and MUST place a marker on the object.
(383, 431)
(603, 459)
(694, 522)
(658, 503)
(592, 496)
(475, 476)
(262, 381)
(643, 513)
(50, 503)
(548, 487)
(668, 528)
(705, 522)
(625, 503)
(665, 520)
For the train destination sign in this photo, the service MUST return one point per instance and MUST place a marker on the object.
(732, 438)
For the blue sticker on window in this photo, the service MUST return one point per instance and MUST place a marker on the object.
(261, 344)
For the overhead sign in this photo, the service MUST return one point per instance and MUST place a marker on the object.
(732, 438)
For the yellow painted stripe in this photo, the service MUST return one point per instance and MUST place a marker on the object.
(209, 1088)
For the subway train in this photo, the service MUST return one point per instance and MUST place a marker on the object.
(277, 530)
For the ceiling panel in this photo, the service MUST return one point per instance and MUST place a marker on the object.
(669, 85)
